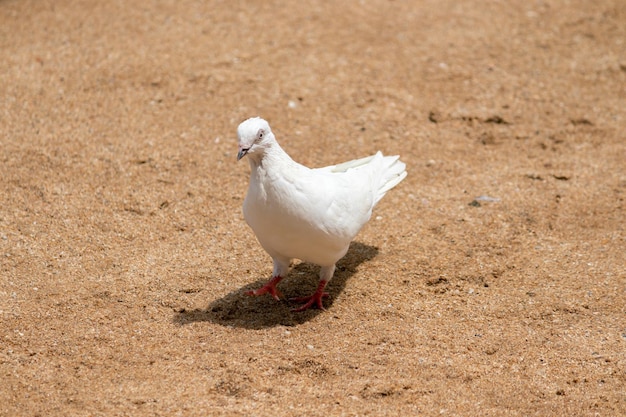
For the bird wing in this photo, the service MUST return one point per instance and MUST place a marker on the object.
(385, 171)
(345, 166)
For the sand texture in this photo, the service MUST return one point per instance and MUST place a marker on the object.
(490, 282)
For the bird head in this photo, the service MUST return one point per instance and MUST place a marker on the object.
(254, 135)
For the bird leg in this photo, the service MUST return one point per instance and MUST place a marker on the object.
(269, 288)
(314, 299)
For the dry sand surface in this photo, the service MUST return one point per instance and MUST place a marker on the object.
(124, 254)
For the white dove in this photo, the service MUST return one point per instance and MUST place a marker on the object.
(308, 214)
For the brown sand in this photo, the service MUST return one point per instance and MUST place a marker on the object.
(124, 253)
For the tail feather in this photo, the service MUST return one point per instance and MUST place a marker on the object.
(394, 171)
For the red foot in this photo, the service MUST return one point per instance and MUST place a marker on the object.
(311, 300)
(269, 288)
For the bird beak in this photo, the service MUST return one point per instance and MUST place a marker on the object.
(242, 153)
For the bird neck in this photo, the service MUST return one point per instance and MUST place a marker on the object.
(270, 155)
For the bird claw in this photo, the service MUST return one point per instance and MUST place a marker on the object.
(269, 288)
(310, 301)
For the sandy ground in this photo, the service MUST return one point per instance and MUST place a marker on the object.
(124, 254)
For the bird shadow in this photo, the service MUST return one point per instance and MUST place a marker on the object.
(237, 309)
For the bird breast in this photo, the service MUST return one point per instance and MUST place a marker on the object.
(294, 216)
